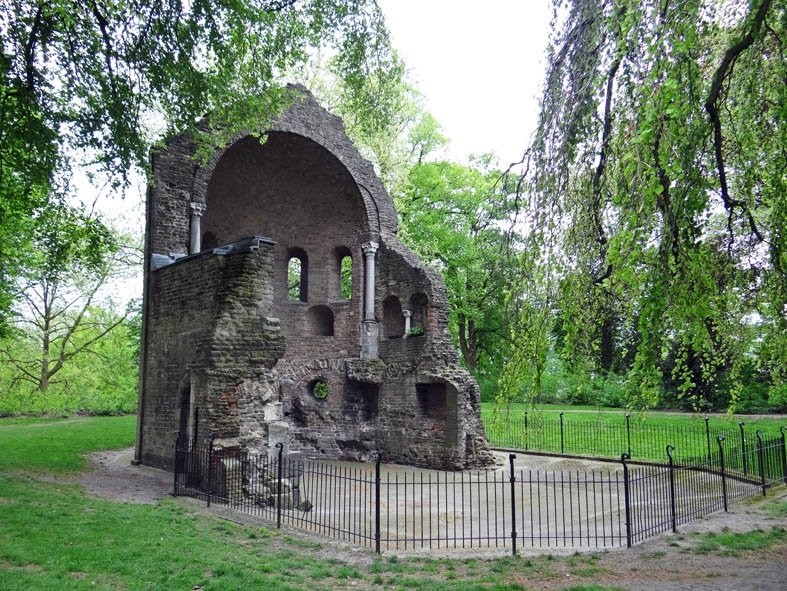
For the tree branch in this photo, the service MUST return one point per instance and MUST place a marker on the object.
(723, 72)
(32, 39)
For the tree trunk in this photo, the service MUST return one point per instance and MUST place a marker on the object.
(468, 341)
(43, 381)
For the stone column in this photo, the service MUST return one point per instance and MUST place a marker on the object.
(197, 209)
(369, 328)
(407, 315)
(369, 250)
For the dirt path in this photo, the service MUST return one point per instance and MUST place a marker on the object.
(111, 476)
(664, 563)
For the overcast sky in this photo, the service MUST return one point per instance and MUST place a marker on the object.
(479, 64)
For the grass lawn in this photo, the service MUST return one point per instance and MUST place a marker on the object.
(55, 537)
(60, 445)
(602, 431)
(592, 414)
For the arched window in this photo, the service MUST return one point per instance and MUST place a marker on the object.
(344, 273)
(297, 268)
(393, 319)
(418, 304)
(320, 321)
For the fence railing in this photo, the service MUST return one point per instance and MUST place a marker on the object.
(391, 507)
(530, 431)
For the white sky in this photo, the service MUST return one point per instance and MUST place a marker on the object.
(480, 66)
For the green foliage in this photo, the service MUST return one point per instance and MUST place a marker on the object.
(732, 544)
(59, 330)
(653, 182)
(103, 380)
(96, 84)
(320, 389)
(346, 273)
(455, 218)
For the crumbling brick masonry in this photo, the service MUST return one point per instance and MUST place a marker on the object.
(279, 306)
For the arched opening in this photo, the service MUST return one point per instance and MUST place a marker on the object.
(344, 275)
(393, 319)
(320, 321)
(289, 188)
(418, 305)
(297, 273)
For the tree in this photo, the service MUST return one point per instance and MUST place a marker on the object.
(456, 218)
(97, 82)
(57, 318)
(658, 170)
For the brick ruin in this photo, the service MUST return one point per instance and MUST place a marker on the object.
(279, 306)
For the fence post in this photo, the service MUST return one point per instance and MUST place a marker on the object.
(280, 447)
(758, 433)
(623, 458)
(512, 479)
(743, 450)
(526, 437)
(670, 449)
(784, 455)
(720, 439)
(377, 459)
(628, 434)
(707, 434)
(210, 467)
(177, 466)
(562, 447)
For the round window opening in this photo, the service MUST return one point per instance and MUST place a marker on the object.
(320, 389)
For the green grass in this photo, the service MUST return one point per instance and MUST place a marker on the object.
(592, 414)
(61, 445)
(728, 543)
(602, 431)
(55, 537)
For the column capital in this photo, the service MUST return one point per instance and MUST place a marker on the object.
(197, 208)
(407, 313)
(370, 248)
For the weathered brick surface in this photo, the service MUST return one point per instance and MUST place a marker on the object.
(219, 326)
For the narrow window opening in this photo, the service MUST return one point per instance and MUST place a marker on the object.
(393, 319)
(346, 273)
(296, 276)
(418, 305)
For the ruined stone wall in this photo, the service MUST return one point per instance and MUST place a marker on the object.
(295, 192)
(222, 324)
(180, 313)
(210, 330)
(168, 202)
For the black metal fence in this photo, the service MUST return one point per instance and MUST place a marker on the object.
(391, 507)
(603, 438)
